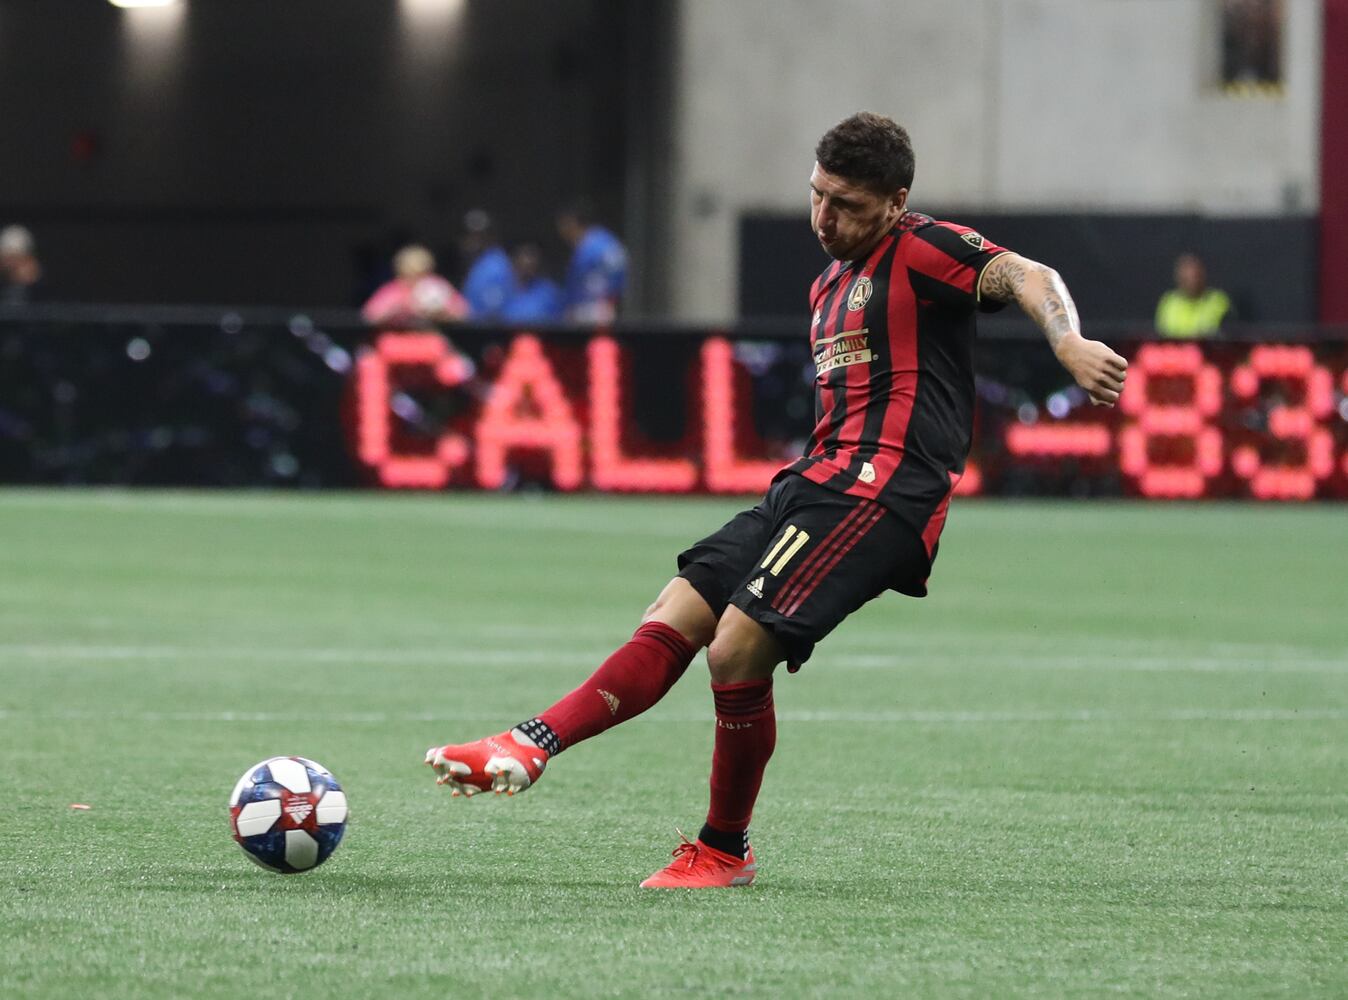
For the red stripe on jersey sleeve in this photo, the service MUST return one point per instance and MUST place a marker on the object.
(950, 259)
(939, 266)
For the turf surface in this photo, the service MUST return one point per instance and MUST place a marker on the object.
(1107, 756)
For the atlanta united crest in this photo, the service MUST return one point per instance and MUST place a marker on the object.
(860, 294)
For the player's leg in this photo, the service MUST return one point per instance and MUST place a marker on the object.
(830, 555)
(741, 658)
(636, 676)
(632, 679)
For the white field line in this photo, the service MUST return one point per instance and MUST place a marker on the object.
(446, 655)
(615, 631)
(915, 646)
(934, 717)
(504, 511)
(1245, 662)
(1097, 662)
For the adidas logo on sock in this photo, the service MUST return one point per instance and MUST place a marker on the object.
(611, 699)
(756, 588)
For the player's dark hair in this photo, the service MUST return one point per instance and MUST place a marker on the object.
(869, 149)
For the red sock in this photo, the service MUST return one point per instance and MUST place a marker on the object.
(746, 733)
(634, 678)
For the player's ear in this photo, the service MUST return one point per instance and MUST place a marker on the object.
(899, 201)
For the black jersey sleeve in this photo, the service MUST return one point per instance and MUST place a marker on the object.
(945, 262)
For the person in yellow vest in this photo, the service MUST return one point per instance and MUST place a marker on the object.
(1191, 308)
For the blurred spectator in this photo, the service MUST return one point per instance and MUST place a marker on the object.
(1191, 308)
(19, 267)
(417, 297)
(597, 274)
(535, 298)
(490, 279)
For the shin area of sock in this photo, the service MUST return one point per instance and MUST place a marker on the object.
(746, 735)
(637, 675)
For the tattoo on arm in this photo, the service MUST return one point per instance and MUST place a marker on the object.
(1004, 278)
(1054, 310)
(1039, 291)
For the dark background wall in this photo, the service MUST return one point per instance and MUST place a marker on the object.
(277, 152)
(1117, 266)
(281, 147)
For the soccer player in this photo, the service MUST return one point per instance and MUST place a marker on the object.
(860, 513)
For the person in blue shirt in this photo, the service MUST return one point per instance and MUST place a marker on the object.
(491, 278)
(535, 298)
(597, 275)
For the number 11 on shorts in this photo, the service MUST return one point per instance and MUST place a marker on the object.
(792, 541)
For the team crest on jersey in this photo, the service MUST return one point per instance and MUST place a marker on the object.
(973, 239)
(860, 294)
(849, 348)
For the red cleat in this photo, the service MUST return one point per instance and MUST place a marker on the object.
(697, 866)
(495, 764)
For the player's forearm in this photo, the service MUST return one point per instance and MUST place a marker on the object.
(1040, 292)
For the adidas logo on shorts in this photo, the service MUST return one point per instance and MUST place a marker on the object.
(756, 587)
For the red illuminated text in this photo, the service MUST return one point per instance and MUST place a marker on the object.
(1269, 422)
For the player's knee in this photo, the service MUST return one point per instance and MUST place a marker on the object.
(683, 609)
(658, 606)
(723, 661)
(731, 660)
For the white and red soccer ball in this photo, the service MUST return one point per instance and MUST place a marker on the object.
(288, 814)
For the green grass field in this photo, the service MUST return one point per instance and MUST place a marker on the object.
(1107, 756)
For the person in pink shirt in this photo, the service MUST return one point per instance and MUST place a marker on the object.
(417, 297)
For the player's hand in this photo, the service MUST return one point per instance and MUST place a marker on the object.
(1096, 368)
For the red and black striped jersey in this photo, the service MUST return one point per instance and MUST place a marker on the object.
(893, 338)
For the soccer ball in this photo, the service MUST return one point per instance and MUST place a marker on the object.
(288, 814)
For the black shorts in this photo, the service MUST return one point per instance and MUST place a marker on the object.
(803, 560)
